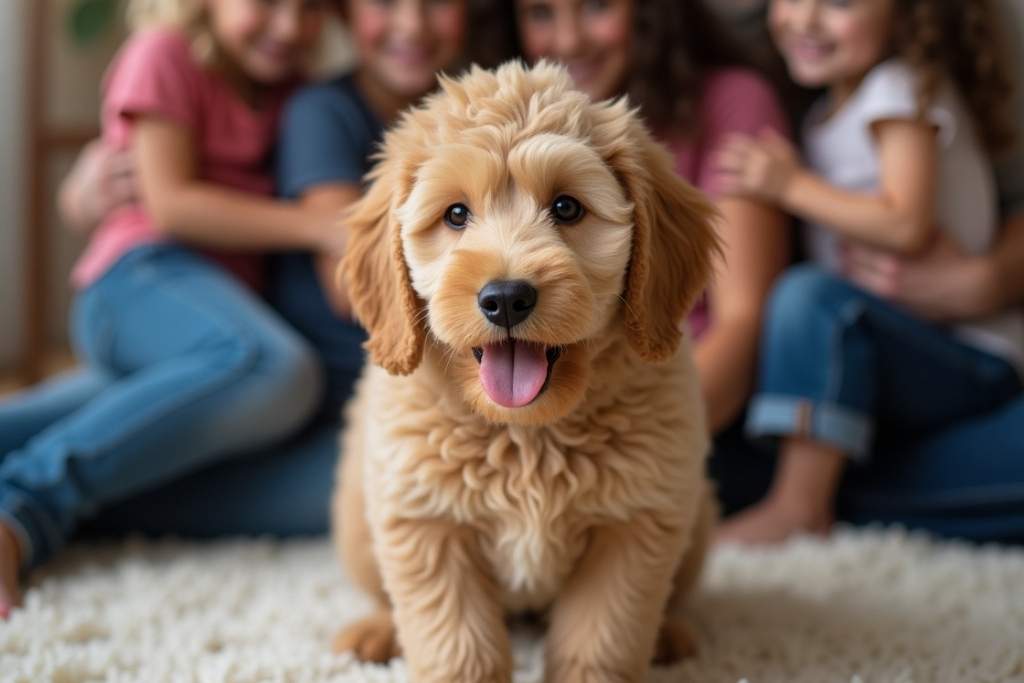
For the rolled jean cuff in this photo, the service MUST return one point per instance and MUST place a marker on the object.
(773, 415)
(37, 536)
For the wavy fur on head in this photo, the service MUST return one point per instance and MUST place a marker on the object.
(589, 502)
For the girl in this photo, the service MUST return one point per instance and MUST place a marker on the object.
(328, 133)
(915, 95)
(183, 363)
(675, 63)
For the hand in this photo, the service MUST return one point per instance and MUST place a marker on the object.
(102, 180)
(943, 283)
(328, 273)
(331, 235)
(760, 167)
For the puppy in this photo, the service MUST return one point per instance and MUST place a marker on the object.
(530, 435)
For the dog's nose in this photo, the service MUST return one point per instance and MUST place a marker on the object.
(507, 302)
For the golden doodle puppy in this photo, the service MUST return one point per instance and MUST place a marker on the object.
(530, 435)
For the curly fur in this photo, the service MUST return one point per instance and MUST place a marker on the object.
(590, 502)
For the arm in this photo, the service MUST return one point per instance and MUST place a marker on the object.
(323, 148)
(1007, 268)
(334, 198)
(944, 283)
(101, 181)
(898, 217)
(756, 247)
(195, 211)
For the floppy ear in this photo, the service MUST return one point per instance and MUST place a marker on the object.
(377, 276)
(674, 245)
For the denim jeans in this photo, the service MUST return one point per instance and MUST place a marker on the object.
(938, 427)
(183, 367)
(284, 490)
(965, 480)
(839, 365)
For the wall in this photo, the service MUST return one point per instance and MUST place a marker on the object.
(73, 103)
(72, 91)
(11, 187)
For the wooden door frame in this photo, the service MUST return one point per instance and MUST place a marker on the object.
(35, 238)
(42, 141)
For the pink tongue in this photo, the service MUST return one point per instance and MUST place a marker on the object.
(513, 372)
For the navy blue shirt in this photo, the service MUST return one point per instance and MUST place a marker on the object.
(328, 134)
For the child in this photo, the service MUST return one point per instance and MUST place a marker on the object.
(329, 133)
(694, 90)
(327, 136)
(897, 147)
(183, 363)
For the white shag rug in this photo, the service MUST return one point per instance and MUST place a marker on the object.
(864, 607)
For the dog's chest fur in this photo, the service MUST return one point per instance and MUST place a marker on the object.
(533, 493)
(537, 505)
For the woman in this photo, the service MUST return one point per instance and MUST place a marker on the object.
(695, 89)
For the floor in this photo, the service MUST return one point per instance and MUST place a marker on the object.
(873, 606)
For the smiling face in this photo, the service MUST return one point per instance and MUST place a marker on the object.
(592, 38)
(512, 230)
(520, 255)
(402, 44)
(269, 41)
(831, 42)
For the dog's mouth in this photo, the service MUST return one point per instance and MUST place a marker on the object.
(515, 372)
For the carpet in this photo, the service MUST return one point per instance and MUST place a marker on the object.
(864, 607)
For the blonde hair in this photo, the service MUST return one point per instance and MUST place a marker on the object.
(189, 16)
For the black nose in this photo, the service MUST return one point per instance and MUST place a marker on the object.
(507, 302)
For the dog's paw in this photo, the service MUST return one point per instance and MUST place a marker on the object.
(676, 641)
(371, 639)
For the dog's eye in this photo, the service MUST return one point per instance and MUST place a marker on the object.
(456, 216)
(566, 210)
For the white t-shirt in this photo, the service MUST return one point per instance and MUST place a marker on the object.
(841, 148)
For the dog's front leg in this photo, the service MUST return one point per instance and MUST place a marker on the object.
(446, 607)
(605, 622)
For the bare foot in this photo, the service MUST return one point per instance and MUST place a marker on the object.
(770, 522)
(10, 562)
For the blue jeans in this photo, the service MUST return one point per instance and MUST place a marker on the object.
(927, 467)
(839, 365)
(183, 367)
(964, 481)
(284, 490)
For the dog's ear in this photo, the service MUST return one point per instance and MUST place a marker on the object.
(377, 276)
(674, 244)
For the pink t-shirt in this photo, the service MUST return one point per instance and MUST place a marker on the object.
(734, 100)
(155, 73)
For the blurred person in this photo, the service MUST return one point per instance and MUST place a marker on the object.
(898, 145)
(324, 147)
(183, 363)
(695, 89)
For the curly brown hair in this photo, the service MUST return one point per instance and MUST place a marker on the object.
(960, 40)
(676, 43)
